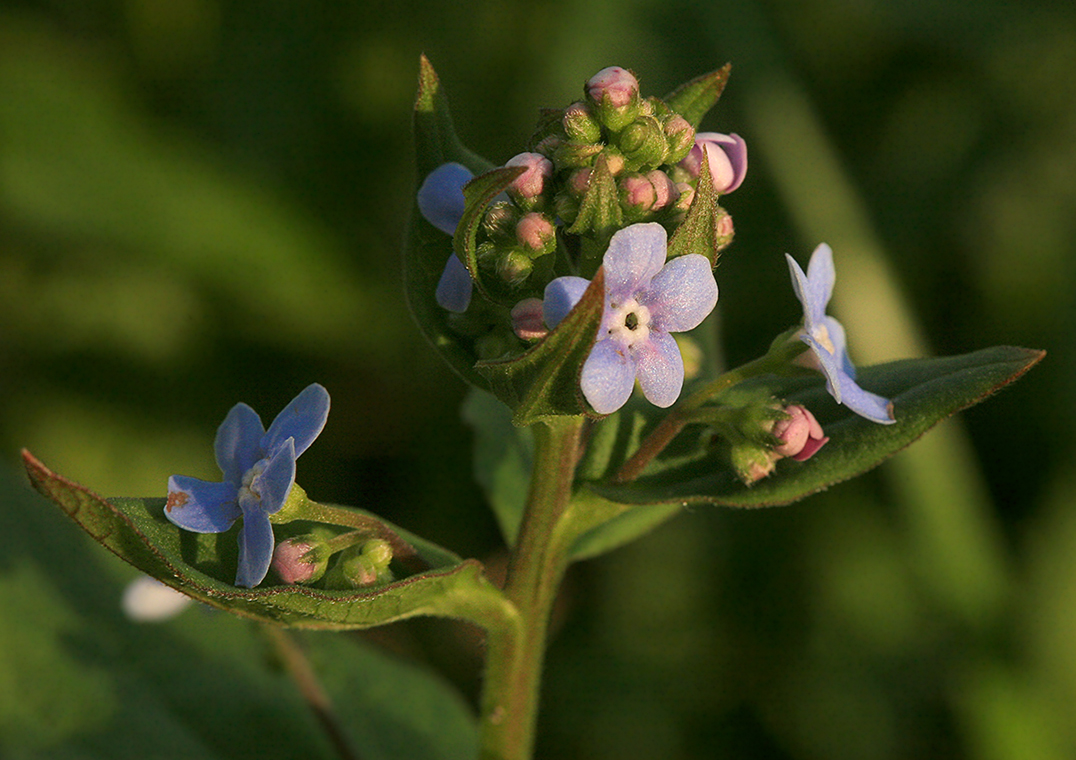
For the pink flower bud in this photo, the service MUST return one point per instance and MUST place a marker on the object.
(618, 86)
(665, 191)
(536, 233)
(727, 155)
(800, 434)
(530, 183)
(527, 320)
(288, 561)
(637, 192)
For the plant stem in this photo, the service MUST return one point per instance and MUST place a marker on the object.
(515, 654)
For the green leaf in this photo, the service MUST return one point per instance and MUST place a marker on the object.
(544, 382)
(599, 213)
(924, 392)
(427, 248)
(699, 232)
(503, 459)
(479, 192)
(136, 531)
(81, 680)
(694, 99)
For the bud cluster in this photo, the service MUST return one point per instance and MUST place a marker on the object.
(360, 560)
(763, 435)
(605, 162)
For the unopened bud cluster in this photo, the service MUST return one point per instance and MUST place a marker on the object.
(357, 560)
(762, 439)
(607, 161)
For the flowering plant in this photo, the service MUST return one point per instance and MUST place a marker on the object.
(552, 284)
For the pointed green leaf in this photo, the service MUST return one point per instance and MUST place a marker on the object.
(694, 99)
(479, 192)
(544, 382)
(700, 233)
(136, 531)
(428, 248)
(599, 212)
(924, 392)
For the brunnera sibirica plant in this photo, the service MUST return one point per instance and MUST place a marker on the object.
(570, 287)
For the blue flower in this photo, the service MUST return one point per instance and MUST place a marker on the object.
(825, 336)
(441, 203)
(259, 471)
(646, 299)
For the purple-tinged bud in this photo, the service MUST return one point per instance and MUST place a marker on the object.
(536, 233)
(680, 136)
(579, 181)
(528, 322)
(687, 195)
(617, 86)
(531, 182)
(637, 193)
(297, 560)
(800, 434)
(580, 124)
(727, 155)
(614, 94)
(665, 192)
(548, 145)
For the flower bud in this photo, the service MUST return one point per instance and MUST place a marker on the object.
(665, 192)
(614, 93)
(580, 124)
(301, 559)
(643, 143)
(514, 267)
(799, 434)
(500, 219)
(536, 233)
(369, 565)
(572, 154)
(528, 322)
(529, 184)
(727, 157)
(752, 462)
(680, 138)
(637, 194)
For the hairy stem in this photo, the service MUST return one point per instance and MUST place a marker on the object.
(515, 655)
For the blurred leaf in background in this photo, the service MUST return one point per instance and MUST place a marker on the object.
(203, 201)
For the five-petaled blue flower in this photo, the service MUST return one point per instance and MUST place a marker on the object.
(646, 299)
(259, 471)
(441, 203)
(825, 336)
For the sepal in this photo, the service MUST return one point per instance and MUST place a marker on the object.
(694, 99)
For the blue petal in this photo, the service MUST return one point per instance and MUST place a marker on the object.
(255, 549)
(864, 403)
(440, 199)
(829, 365)
(302, 420)
(608, 377)
(660, 368)
(237, 446)
(561, 296)
(635, 254)
(455, 287)
(682, 294)
(274, 482)
(200, 506)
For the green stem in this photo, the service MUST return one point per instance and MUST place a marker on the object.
(779, 356)
(515, 654)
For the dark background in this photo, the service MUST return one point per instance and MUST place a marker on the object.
(203, 201)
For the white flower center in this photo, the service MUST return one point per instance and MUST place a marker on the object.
(250, 481)
(629, 322)
(821, 334)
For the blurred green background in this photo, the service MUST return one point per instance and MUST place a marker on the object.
(203, 201)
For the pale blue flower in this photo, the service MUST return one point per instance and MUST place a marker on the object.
(441, 203)
(646, 299)
(825, 336)
(259, 471)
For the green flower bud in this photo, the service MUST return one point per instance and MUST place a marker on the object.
(569, 155)
(643, 143)
(368, 565)
(500, 219)
(514, 267)
(580, 124)
(680, 138)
